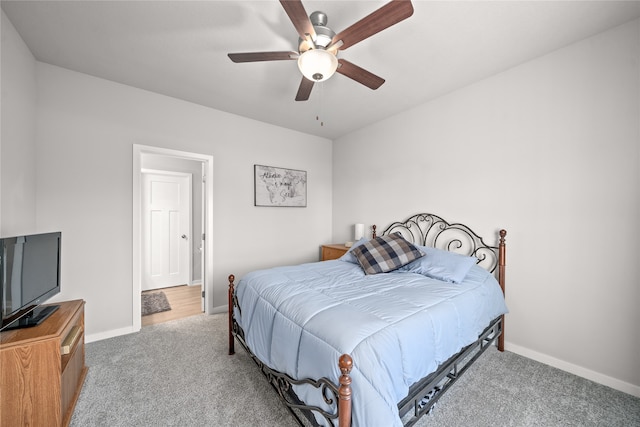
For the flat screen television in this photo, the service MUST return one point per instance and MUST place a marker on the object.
(30, 268)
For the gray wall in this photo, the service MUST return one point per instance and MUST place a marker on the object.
(548, 150)
(86, 129)
(18, 136)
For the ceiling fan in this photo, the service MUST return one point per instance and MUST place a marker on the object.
(318, 45)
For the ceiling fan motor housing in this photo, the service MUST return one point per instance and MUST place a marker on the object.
(324, 34)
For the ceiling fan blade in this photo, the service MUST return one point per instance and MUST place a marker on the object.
(263, 56)
(388, 15)
(358, 74)
(299, 18)
(304, 90)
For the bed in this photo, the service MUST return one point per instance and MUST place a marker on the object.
(342, 343)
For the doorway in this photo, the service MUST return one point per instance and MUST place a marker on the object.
(150, 169)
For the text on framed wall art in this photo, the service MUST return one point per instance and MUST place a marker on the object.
(279, 186)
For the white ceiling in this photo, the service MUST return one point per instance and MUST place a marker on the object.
(179, 48)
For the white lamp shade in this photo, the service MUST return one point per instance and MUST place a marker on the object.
(317, 65)
(358, 232)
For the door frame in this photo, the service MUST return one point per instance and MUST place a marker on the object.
(207, 278)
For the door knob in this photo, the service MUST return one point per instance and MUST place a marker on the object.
(184, 236)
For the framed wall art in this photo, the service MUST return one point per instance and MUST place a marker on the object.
(279, 186)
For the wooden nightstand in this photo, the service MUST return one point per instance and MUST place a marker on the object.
(332, 252)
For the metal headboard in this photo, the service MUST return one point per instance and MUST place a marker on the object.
(430, 230)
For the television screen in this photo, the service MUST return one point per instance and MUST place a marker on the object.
(30, 267)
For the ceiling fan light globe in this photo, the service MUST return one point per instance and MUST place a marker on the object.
(317, 65)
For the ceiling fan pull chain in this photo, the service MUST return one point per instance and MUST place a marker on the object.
(321, 102)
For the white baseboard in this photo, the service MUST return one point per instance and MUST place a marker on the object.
(109, 334)
(130, 329)
(580, 371)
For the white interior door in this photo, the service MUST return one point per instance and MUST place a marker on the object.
(166, 229)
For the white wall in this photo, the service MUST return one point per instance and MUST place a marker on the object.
(85, 131)
(17, 140)
(549, 150)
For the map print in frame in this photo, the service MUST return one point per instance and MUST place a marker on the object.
(280, 187)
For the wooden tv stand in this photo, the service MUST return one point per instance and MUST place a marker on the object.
(43, 369)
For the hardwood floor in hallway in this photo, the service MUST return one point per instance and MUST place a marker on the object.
(184, 300)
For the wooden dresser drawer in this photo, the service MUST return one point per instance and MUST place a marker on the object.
(42, 369)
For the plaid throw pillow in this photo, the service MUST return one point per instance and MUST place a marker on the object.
(386, 253)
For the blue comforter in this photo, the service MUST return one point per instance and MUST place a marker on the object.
(398, 327)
